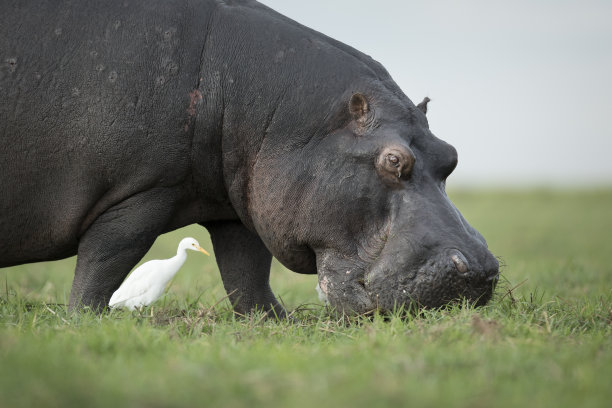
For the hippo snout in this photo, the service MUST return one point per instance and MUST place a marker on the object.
(453, 274)
(445, 276)
(488, 270)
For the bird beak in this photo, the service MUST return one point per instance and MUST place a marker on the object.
(203, 251)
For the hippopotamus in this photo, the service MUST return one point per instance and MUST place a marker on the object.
(120, 121)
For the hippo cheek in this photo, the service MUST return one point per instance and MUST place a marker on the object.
(342, 283)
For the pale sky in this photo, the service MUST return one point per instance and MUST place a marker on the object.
(522, 89)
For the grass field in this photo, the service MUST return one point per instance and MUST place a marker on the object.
(545, 339)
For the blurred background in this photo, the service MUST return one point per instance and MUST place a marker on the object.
(522, 89)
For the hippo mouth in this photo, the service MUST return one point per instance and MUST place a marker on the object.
(437, 282)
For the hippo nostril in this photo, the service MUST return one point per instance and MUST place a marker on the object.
(492, 276)
(492, 269)
(460, 262)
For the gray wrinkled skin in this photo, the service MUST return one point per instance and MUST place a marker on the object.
(120, 121)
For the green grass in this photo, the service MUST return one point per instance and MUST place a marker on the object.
(544, 340)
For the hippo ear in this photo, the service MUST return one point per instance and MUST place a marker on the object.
(358, 106)
(423, 105)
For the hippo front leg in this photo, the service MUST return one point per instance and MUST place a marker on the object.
(114, 243)
(244, 263)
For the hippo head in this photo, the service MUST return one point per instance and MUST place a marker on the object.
(364, 206)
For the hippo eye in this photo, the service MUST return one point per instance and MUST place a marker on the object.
(395, 164)
(393, 159)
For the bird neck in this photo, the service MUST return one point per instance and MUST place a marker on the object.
(176, 262)
(180, 257)
(181, 253)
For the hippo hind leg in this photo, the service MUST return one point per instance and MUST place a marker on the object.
(244, 263)
(114, 243)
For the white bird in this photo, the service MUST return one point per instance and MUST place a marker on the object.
(147, 282)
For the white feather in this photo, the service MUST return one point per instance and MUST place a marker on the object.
(146, 283)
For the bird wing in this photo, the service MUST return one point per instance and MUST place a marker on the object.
(136, 284)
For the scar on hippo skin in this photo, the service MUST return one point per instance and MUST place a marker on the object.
(423, 105)
(12, 64)
(360, 109)
(195, 97)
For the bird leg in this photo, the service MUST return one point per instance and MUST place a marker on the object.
(244, 263)
(114, 243)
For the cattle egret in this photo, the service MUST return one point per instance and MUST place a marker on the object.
(147, 282)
